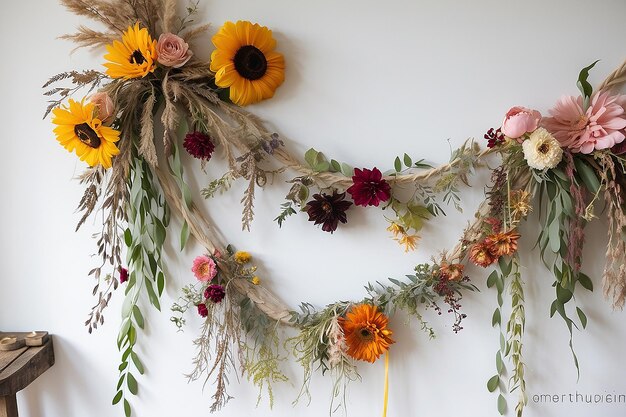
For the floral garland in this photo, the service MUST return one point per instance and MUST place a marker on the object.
(570, 161)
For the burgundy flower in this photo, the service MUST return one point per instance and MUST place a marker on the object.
(202, 310)
(199, 145)
(123, 275)
(328, 210)
(494, 137)
(369, 188)
(215, 293)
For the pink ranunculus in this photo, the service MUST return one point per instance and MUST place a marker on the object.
(204, 268)
(104, 106)
(600, 127)
(172, 51)
(520, 120)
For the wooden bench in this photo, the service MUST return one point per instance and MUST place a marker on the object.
(20, 367)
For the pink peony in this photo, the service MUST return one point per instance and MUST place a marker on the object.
(104, 106)
(600, 127)
(520, 120)
(204, 268)
(172, 51)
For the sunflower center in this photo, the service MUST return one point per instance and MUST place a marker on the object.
(87, 135)
(250, 62)
(543, 148)
(137, 58)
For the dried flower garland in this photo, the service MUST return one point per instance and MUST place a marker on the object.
(574, 158)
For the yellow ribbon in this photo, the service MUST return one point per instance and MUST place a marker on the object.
(386, 384)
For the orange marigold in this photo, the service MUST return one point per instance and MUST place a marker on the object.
(452, 272)
(366, 333)
(501, 244)
(481, 255)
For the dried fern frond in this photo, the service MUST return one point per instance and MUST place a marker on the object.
(93, 9)
(146, 139)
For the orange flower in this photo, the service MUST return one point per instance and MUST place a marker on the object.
(480, 255)
(366, 333)
(501, 244)
(452, 272)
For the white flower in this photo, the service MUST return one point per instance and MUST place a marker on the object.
(542, 150)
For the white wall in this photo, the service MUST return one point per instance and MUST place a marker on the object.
(366, 81)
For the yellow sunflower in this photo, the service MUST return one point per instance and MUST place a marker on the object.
(366, 333)
(78, 130)
(134, 57)
(245, 62)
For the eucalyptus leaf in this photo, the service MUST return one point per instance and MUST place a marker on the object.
(582, 317)
(496, 318)
(583, 85)
(587, 175)
(493, 383)
(407, 161)
(137, 363)
(127, 411)
(138, 316)
(184, 235)
(585, 281)
(117, 397)
(501, 404)
(397, 164)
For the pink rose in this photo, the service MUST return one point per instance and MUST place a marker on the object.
(104, 106)
(172, 50)
(520, 120)
(204, 268)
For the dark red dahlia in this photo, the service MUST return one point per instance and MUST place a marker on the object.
(494, 137)
(202, 310)
(328, 210)
(369, 188)
(123, 275)
(215, 293)
(199, 145)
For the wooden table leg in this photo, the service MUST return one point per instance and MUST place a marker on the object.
(8, 406)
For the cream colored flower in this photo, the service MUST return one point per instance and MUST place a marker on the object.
(542, 150)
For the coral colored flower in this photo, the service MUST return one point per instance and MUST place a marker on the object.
(104, 108)
(542, 150)
(328, 210)
(172, 50)
(242, 257)
(501, 244)
(123, 275)
(365, 331)
(452, 272)
(519, 121)
(245, 62)
(215, 293)
(369, 188)
(202, 310)
(199, 145)
(204, 268)
(599, 127)
(481, 255)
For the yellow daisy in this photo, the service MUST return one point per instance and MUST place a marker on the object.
(78, 130)
(245, 62)
(242, 257)
(134, 57)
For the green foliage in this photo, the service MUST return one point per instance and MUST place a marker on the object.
(286, 211)
(583, 85)
(148, 218)
(220, 185)
(319, 163)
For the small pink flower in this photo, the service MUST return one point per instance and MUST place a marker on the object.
(204, 268)
(172, 51)
(600, 127)
(520, 120)
(104, 106)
